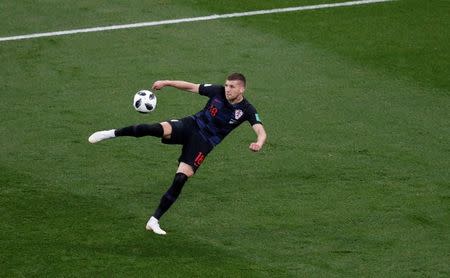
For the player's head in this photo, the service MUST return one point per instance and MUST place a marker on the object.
(238, 77)
(235, 87)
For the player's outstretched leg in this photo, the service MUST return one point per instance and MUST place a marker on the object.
(166, 202)
(134, 131)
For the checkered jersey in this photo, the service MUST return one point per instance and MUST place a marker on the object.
(218, 118)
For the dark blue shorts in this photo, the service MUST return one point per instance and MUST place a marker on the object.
(185, 132)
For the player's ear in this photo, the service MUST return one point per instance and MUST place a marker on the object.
(242, 87)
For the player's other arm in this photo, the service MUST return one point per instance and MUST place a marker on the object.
(261, 137)
(179, 84)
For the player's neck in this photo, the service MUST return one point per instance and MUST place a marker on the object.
(236, 100)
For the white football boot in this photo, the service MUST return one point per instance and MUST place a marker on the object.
(153, 225)
(101, 135)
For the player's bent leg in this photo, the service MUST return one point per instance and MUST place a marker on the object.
(183, 173)
(166, 202)
(171, 195)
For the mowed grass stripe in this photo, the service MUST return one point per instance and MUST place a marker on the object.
(190, 19)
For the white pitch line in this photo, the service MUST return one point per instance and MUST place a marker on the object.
(190, 19)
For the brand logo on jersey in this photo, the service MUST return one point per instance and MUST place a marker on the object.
(238, 113)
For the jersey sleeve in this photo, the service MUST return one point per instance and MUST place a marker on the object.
(210, 90)
(252, 115)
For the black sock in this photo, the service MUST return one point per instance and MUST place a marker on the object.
(171, 195)
(141, 130)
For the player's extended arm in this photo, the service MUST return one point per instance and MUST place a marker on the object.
(261, 137)
(182, 85)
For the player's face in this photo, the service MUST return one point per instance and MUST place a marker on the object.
(234, 90)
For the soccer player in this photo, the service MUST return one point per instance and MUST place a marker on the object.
(225, 110)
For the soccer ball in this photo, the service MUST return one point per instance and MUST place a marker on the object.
(144, 101)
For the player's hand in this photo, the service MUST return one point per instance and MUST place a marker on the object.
(255, 147)
(158, 85)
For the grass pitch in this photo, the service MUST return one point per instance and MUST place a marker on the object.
(353, 180)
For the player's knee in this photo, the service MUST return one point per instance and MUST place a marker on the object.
(189, 173)
(167, 130)
(186, 169)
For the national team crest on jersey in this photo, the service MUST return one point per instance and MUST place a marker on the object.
(238, 113)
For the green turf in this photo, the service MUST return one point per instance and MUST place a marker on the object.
(353, 180)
